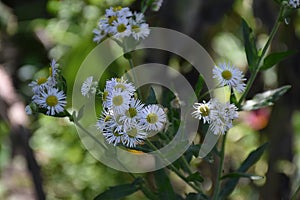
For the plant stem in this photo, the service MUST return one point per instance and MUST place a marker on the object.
(220, 169)
(262, 56)
(172, 167)
(133, 73)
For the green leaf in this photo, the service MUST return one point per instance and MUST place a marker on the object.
(196, 196)
(265, 99)
(199, 86)
(275, 58)
(164, 187)
(252, 158)
(119, 191)
(195, 177)
(151, 99)
(250, 46)
(193, 150)
(242, 175)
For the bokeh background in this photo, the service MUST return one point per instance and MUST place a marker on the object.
(42, 157)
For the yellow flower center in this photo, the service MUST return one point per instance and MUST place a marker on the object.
(117, 100)
(107, 118)
(117, 8)
(121, 86)
(131, 112)
(204, 110)
(136, 28)
(152, 118)
(226, 74)
(116, 133)
(51, 100)
(121, 28)
(111, 19)
(132, 133)
(41, 80)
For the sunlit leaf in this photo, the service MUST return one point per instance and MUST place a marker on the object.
(250, 46)
(275, 58)
(252, 158)
(164, 187)
(265, 99)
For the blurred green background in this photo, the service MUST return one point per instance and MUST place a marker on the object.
(35, 31)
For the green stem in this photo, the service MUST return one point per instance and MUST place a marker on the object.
(262, 56)
(295, 195)
(133, 73)
(220, 169)
(172, 167)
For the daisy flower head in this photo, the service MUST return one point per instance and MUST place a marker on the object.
(139, 29)
(112, 135)
(202, 111)
(89, 87)
(153, 118)
(38, 85)
(222, 115)
(99, 33)
(121, 28)
(294, 3)
(120, 83)
(118, 101)
(134, 135)
(52, 99)
(228, 75)
(105, 120)
(132, 114)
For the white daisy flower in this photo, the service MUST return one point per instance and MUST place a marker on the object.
(99, 35)
(135, 135)
(106, 120)
(140, 31)
(132, 113)
(120, 83)
(121, 28)
(52, 79)
(202, 111)
(222, 116)
(28, 110)
(118, 101)
(228, 75)
(37, 85)
(156, 5)
(112, 136)
(294, 3)
(104, 96)
(52, 99)
(89, 87)
(153, 118)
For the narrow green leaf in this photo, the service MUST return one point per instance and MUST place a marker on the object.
(252, 158)
(193, 150)
(119, 191)
(265, 99)
(250, 46)
(275, 58)
(151, 99)
(164, 187)
(242, 175)
(199, 86)
(80, 113)
(195, 177)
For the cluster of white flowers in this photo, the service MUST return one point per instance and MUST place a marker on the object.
(294, 3)
(46, 93)
(228, 75)
(125, 119)
(120, 23)
(220, 115)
